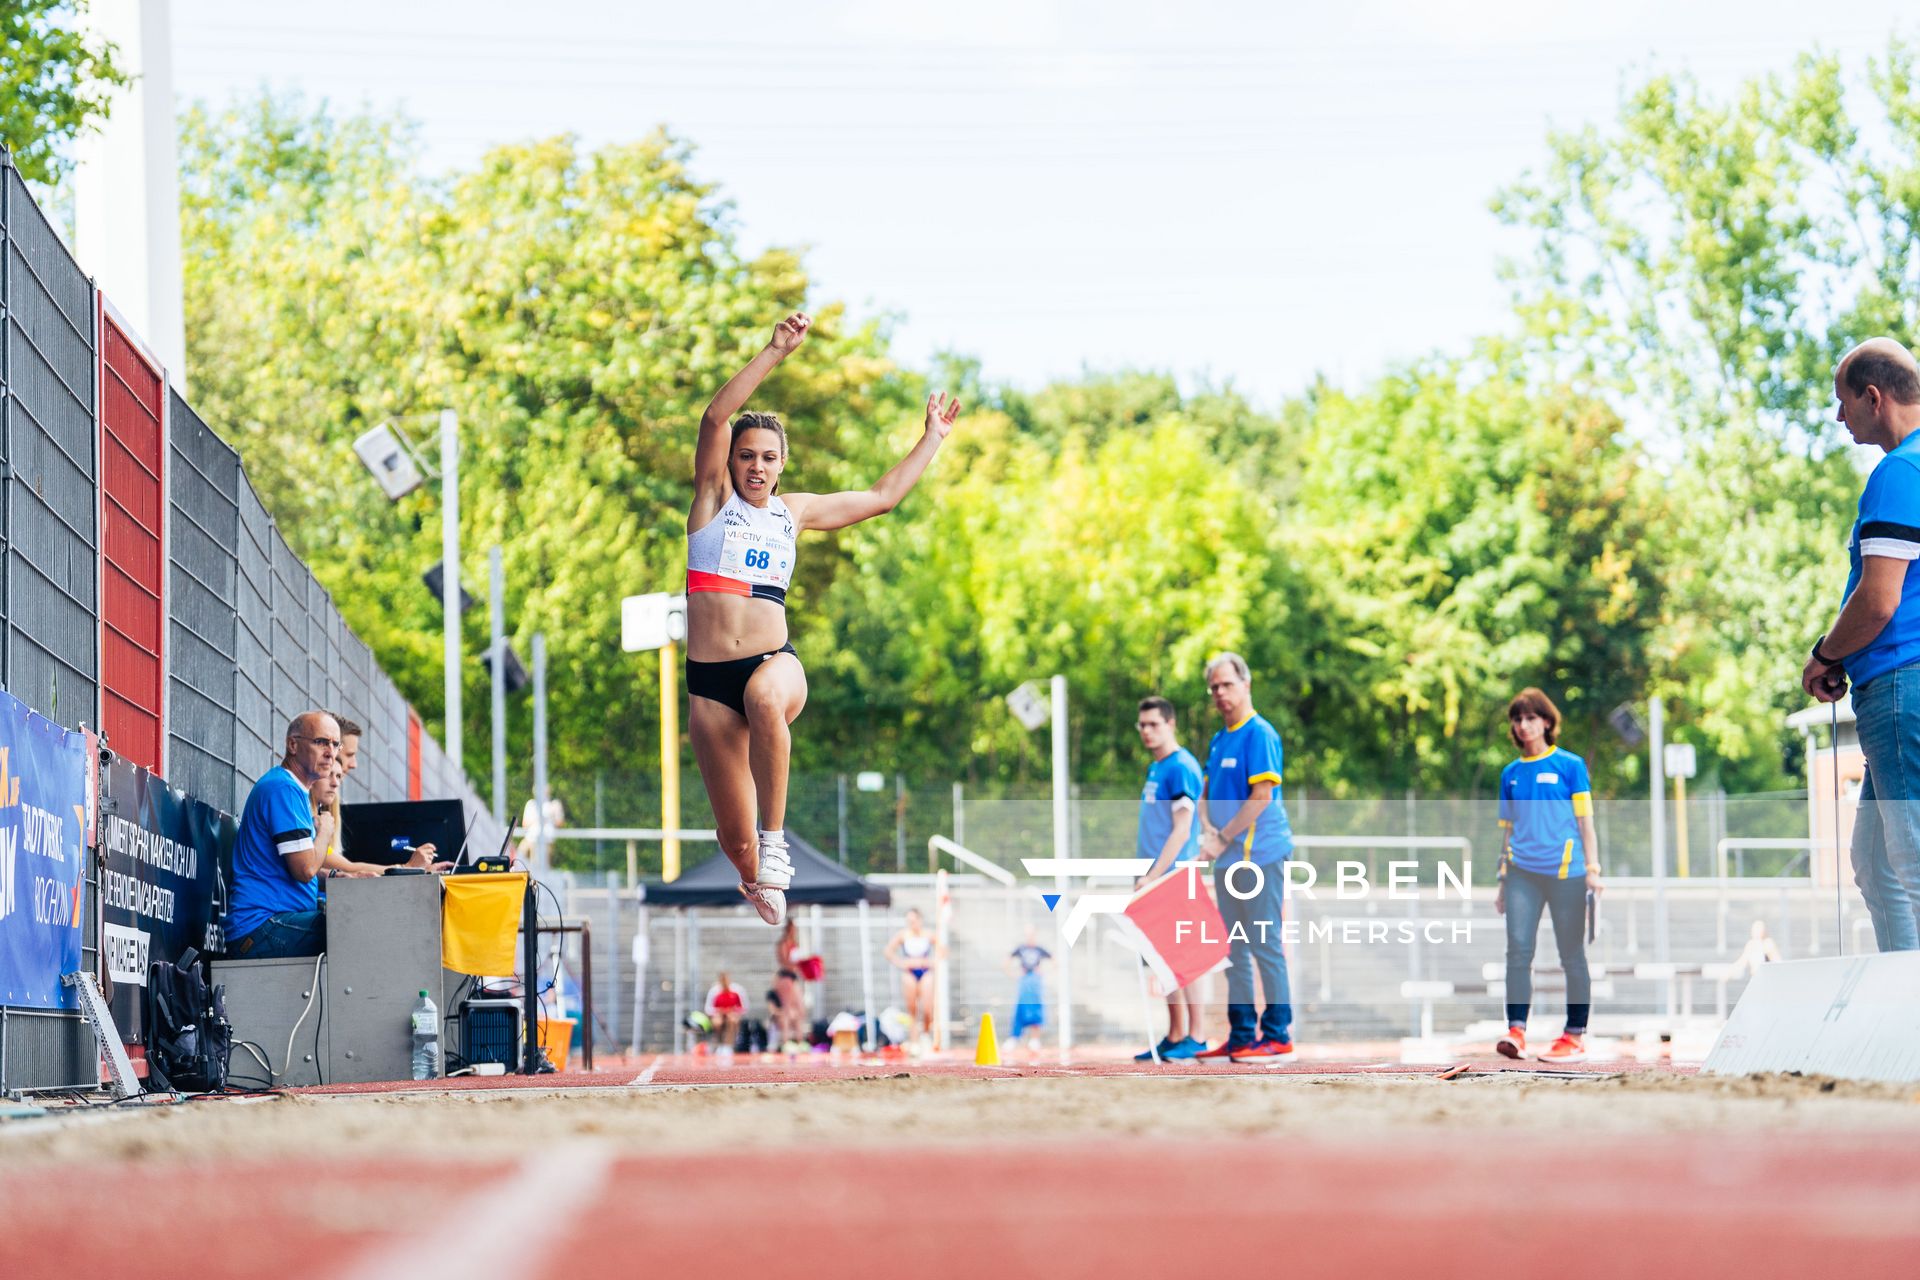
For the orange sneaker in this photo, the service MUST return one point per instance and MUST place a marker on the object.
(1568, 1048)
(1513, 1044)
(1262, 1051)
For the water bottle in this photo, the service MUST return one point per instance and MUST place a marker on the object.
(426, 1039)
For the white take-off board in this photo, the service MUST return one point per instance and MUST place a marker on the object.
(1851, 1017)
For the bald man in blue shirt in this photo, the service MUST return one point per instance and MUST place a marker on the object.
(1875, 641)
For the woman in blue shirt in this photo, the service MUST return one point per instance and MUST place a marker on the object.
(1549, 862)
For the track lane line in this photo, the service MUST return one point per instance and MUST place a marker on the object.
(484, 1234)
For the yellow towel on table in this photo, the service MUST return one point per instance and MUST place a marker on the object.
(479, 918)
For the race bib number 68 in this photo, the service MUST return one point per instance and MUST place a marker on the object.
(750, 556)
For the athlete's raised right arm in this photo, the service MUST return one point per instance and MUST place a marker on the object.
(710, 454)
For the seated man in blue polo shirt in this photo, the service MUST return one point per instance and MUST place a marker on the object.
(275, 907)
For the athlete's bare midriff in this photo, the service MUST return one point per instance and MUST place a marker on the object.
(721, 628)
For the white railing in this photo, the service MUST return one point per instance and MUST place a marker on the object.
(620, 833)
(967, 858)
(942, 985)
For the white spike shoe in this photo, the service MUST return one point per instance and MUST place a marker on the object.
(776, 867)
(771, 903)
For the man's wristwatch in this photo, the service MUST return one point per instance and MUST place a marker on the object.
(1820, 657)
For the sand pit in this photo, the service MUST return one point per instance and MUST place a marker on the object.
(910, 1112)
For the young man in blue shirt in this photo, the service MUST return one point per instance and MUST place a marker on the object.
(1169, 835)
(1549, 862)
(1875, 642)
(1247, 839)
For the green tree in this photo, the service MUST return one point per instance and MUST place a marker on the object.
(1639, 493)
(575, 310)
(1465, 536)
(1702, 263)
(56, 82)
(1113, 555)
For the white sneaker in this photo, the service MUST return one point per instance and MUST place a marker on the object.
(776, 868)
(771, 903)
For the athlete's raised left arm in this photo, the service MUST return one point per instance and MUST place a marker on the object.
(838, 510)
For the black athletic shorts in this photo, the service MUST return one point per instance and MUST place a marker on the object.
(726, 682)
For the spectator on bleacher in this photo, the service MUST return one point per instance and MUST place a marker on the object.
(1875, 640)
(275, 907)
(725, 1007)
(1760, 949)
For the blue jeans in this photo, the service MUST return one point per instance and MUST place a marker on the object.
(1886, 827)
(290, 933)
(1528, 894)
(1258, 918)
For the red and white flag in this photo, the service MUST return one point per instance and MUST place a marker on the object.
(1184, 935)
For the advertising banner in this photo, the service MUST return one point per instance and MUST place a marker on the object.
(160, 858)
(44, 784)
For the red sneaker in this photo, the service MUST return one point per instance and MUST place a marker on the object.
(1225, 1049)
(1513, 1044)
(1263, 1051)
(1568, 1048)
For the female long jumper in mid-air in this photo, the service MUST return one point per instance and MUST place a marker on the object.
(745, 684)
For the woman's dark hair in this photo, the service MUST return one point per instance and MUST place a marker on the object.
(1533, 701)
(760, 422)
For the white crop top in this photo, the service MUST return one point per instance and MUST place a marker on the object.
(744, 551)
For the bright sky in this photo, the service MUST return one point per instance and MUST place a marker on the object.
(1243, 192)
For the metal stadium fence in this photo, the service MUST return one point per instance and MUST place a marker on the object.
(49, 631)
(145, 591)
(49, 535)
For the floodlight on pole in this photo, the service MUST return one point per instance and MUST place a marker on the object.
(389, 455)
(398, 469)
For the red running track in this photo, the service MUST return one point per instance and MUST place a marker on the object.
(1429, 1205)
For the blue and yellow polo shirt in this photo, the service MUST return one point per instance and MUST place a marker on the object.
(1542, 799)
(1238, 759)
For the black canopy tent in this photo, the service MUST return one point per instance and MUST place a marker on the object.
(817, 881)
